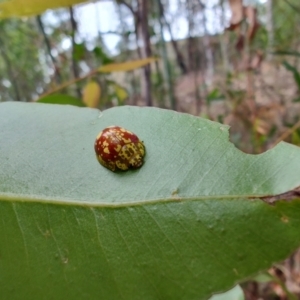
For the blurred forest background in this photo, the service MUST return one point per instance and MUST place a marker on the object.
(232, 61)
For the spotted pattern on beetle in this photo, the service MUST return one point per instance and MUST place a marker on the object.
(119, 148)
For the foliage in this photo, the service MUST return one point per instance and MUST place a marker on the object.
(286, 20)
(71, 228)
(62, 99)
(19, 53)
(292, 69)
(191, 221)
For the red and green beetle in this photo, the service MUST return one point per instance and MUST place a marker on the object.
(118, 148)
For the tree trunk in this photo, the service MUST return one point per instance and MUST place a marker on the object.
(136, 18)
(125, 40)
(207, 48)
(48, 46)
(223, 40)
(190, 40)
(270, 28)
(168, 73)
(179, 56)
(74, 63)
(143, 33)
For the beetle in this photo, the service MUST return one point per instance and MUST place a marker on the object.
(119, 149)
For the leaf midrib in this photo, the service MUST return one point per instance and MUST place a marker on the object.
(12, 198)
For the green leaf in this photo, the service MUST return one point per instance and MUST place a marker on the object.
(183, 226)
(214, 95)
(61, 99)
(292, 53)
(79, 51)
(296, 137)
(295, 72)
(99, 53)
(296, 99)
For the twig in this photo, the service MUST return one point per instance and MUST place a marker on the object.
(292, 6)
(127, 5)
(48, 46)
(66, 84)
(287, 133)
